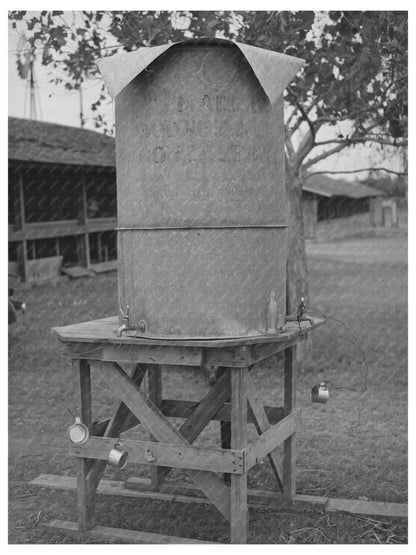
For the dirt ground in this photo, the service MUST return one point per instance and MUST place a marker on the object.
(355, 446)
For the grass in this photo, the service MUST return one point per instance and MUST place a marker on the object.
(354, 446)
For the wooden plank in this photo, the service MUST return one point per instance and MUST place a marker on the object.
(114, 428)
(115, 535)
(207, 408)
(84, 351)
(358, 507)
(114, 487)
(77, 272)
(225, 427)
(185, 493)
(154, 382)
(18, 200)
(231, 357)
(184, 409)
(262, 424)
(239, 441)
(165, 454)
(265, 350)
(204, 411)
(46, 230)
(44, 268)
(289, 447)
(271, 438)
(103, 267)
(160, 427)
(144, 354)
(154, 354)
(104, 331)
(85, 490)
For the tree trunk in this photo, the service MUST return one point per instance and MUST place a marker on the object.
(296, 266)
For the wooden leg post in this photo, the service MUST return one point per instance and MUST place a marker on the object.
(154, 374)
(289, 457)
(238, 441)
(225, 430)
(82, 397)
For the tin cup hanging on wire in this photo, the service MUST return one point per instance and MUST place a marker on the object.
(320, 393)
(78, 432)
(118, 456)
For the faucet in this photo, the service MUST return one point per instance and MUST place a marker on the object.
(127, 326)
(300, 314)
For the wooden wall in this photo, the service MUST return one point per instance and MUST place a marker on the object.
(53, 211)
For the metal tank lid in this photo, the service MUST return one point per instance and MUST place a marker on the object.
(273, 69)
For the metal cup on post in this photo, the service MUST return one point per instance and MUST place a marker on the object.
(118, 456)
(78, 432)
(320, 393)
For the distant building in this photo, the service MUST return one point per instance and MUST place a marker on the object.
(62, 198)
(325, 198)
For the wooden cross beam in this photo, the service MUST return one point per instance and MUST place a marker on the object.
(204, 412)
(113, 429)
(262, 423)
(160, 427)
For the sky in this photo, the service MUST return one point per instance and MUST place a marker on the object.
(56, 104)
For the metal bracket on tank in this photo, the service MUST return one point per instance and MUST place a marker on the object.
(127, 325)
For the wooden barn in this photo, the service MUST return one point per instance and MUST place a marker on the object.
(325, 198)
(62, 200)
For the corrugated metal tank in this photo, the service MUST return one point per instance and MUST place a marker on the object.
(201, 195)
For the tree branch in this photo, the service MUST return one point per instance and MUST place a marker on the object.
(324, 155)
(301, 119)
(373, 139)
(344, 143)
(367, 108)
(352, 115)
(302, 111)
(357, 171)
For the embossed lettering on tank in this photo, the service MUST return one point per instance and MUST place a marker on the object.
(199, 140)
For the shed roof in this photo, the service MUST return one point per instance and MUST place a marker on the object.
(39, 141)
(328, 187)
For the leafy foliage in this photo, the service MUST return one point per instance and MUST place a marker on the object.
(355, 71)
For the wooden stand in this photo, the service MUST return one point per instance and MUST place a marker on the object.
(234, 400)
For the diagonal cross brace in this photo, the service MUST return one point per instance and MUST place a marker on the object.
(262, 424)
(204, 412)
(158, 425)
(113, 429)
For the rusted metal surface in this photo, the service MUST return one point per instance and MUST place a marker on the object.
(201, 195)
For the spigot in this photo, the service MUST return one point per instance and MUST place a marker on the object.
(300, 316)
(127, 326)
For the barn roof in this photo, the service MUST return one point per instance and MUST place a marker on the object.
(328, 187)
(38, 141)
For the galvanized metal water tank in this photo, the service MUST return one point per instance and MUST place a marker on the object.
(201, 189)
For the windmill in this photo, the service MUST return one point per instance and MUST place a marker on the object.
(26, 69)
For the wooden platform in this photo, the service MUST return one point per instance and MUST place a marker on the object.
(219, 474)
(104, 331)
(97, 340)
